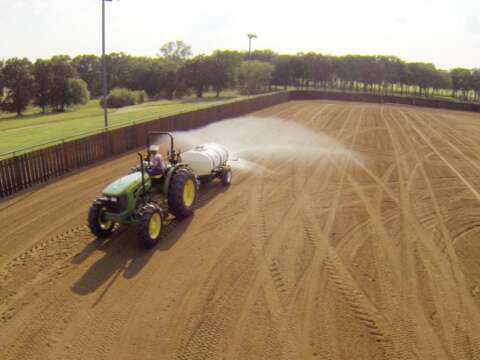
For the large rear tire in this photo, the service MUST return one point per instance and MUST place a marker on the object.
(99, 226)
(150, 226)
(182, 194)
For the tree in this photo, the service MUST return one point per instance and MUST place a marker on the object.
(266, 55)
(195, 74)
(62, 71)
(150, 75)
(176, 51)
(78, 93)
(441, 80)
(323, 71)
(422, 75)
(461, 80)
(171, 79)
(43, 82)
(119, 66)
(394, 68)
(347, 69)
(476, 83)
(89, 69)
(18, 80)
(223, 67)
(282, 72)
(255, 75)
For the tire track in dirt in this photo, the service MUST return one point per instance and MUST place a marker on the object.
(443, 158)
(444, 137)
(298, 284)
(312, 285)
(331, 268)
(45, 261)
(269, 264)
(274, 269)
(434, 256)
(312, 292)
(403, 324)
(259, 245)
(419, 232)
(461, 135)
(191, 347)
(359, 304)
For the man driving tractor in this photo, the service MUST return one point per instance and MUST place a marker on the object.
(155, 159)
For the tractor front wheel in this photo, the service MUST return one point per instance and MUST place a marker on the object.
(98, 224)
(182, 194)
(150, 226)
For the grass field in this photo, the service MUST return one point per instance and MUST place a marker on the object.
(34, 127)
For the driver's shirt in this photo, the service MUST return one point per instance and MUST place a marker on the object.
(157, 163)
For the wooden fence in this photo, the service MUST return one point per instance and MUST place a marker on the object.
(21, 172)
(378, 98)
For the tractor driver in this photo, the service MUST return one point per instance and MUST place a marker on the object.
(156, 163)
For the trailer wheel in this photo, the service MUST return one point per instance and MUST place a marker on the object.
(227, 177)
(99, 226)
(150, 226)
(182, 194)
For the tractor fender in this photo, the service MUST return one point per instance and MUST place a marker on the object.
(171, 172)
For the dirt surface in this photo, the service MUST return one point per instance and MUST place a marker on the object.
(373, 254)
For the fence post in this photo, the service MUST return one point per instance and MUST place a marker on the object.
(106, 144)
(65, 157)
(18, 174)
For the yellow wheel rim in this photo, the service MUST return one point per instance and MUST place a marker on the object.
(155, 226)
(104, 224)
(189, 193)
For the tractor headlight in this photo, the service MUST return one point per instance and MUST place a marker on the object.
(116, 204)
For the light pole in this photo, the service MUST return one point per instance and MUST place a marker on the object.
(104, 68)
(250, 37)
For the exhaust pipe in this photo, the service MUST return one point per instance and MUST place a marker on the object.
(142, 169)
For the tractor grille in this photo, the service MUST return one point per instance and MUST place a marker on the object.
(117, 204)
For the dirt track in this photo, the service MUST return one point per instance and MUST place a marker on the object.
(330, 258)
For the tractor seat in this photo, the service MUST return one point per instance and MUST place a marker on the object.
(155, 175)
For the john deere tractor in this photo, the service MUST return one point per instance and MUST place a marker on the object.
(145, 199)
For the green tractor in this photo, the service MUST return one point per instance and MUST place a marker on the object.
(145, 198)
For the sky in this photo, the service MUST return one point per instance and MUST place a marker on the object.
(445, 32)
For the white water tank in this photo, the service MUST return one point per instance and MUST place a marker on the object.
(205, 158)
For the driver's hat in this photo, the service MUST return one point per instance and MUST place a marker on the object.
(153, 148)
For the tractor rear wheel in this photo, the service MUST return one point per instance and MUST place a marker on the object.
(226, 177)
(99, 226)
(150, 226)
(182, 194)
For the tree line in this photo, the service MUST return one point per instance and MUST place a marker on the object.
(63, 81)
(375, 73)
(52, 83)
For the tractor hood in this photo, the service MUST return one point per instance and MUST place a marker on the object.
(125, 184)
